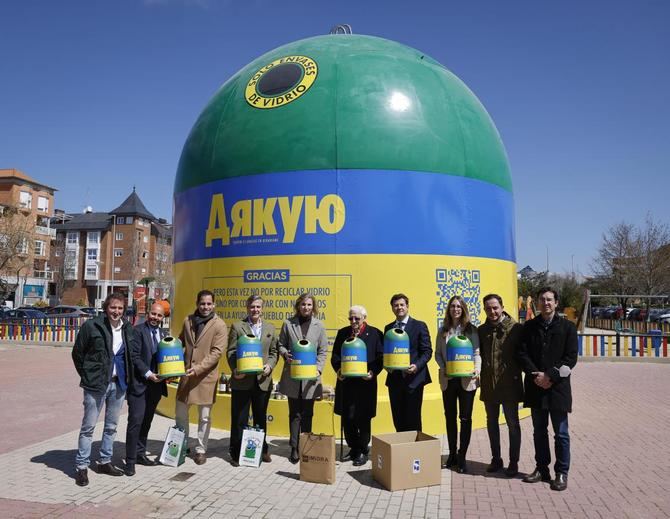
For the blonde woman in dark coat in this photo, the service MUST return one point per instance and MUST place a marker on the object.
(302, 393)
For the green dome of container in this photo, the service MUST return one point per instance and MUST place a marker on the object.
(371, 103)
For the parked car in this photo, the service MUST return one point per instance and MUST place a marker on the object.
(68, 311)
(23, 316)
(664, 318)
(610, 312)
(90, 310)
(656, 313)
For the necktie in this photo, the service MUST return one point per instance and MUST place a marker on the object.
(400, 325)
(154, 360)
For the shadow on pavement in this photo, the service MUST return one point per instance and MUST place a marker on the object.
(289, 475)
(477, 468)
(63, 460)
(364, 477)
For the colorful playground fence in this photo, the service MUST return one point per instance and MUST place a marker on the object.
(52, 329)
(624, 345)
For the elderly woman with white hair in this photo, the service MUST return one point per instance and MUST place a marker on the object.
(356, 397)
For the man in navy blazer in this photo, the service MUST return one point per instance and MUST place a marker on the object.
(406, 387)
(146, 390)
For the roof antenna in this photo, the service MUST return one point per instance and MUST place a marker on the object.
(342, 28)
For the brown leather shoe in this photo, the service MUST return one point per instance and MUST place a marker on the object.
(81, 477)
(200, 458)
(266, 457)
(109, 469)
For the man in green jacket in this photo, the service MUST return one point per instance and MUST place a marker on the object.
(501, 382)
(104, 353)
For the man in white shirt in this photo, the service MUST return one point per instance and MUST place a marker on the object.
(103, 355)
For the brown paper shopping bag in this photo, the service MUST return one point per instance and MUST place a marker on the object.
(317, 458)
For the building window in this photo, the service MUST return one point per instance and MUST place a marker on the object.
(91, 272)
(72, 238)
(145, 254)
(92, 254)
(117, 269)
(42, 203)
(22, 247)
(39, 248)
(118, 253)
(144, 271)
(129, 219)
(57, 253)
(93, 238)
(146, 239)
(119, 220)
(119, 236)
(26, 199)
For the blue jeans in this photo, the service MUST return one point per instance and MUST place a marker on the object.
(112, 398)
(559, 422)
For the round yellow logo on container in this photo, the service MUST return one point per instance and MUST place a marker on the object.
(281, 82)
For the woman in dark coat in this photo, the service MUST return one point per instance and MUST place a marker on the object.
(356, 397)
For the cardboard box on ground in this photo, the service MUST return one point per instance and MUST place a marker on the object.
(408, 459)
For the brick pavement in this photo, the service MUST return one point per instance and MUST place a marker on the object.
(619, 468)
(620, 452)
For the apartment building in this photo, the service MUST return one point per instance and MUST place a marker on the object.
(26, 208)
(126, 250)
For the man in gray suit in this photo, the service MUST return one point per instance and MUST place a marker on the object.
(250, 389)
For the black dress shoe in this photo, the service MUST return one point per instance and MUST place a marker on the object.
(359, 460)
(143, 460)
(495, 465)
(451, 461)
(560, 483)
(129, 469)
(293, 457)
(462, 465)
(109, 469)
(512, 469)
(536, 476)
(81, 477)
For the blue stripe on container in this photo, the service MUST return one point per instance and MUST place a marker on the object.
(306, 358)
(387, 212)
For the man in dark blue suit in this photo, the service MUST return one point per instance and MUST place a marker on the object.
(406, 387)
(146, 390)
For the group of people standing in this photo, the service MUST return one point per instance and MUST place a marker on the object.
(116, 361)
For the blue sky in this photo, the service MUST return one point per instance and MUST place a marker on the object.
(98, 96)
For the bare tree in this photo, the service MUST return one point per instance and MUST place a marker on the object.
(634, 261)
(62, 264)
(653, 252)
(16, 233)
(163, 266)
(615, 262)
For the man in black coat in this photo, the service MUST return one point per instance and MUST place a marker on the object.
(356, 397)
(547, 354)
(146, 390)
(406, 387)
(104, 353)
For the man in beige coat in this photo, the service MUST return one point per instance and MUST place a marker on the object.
(205, 337)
